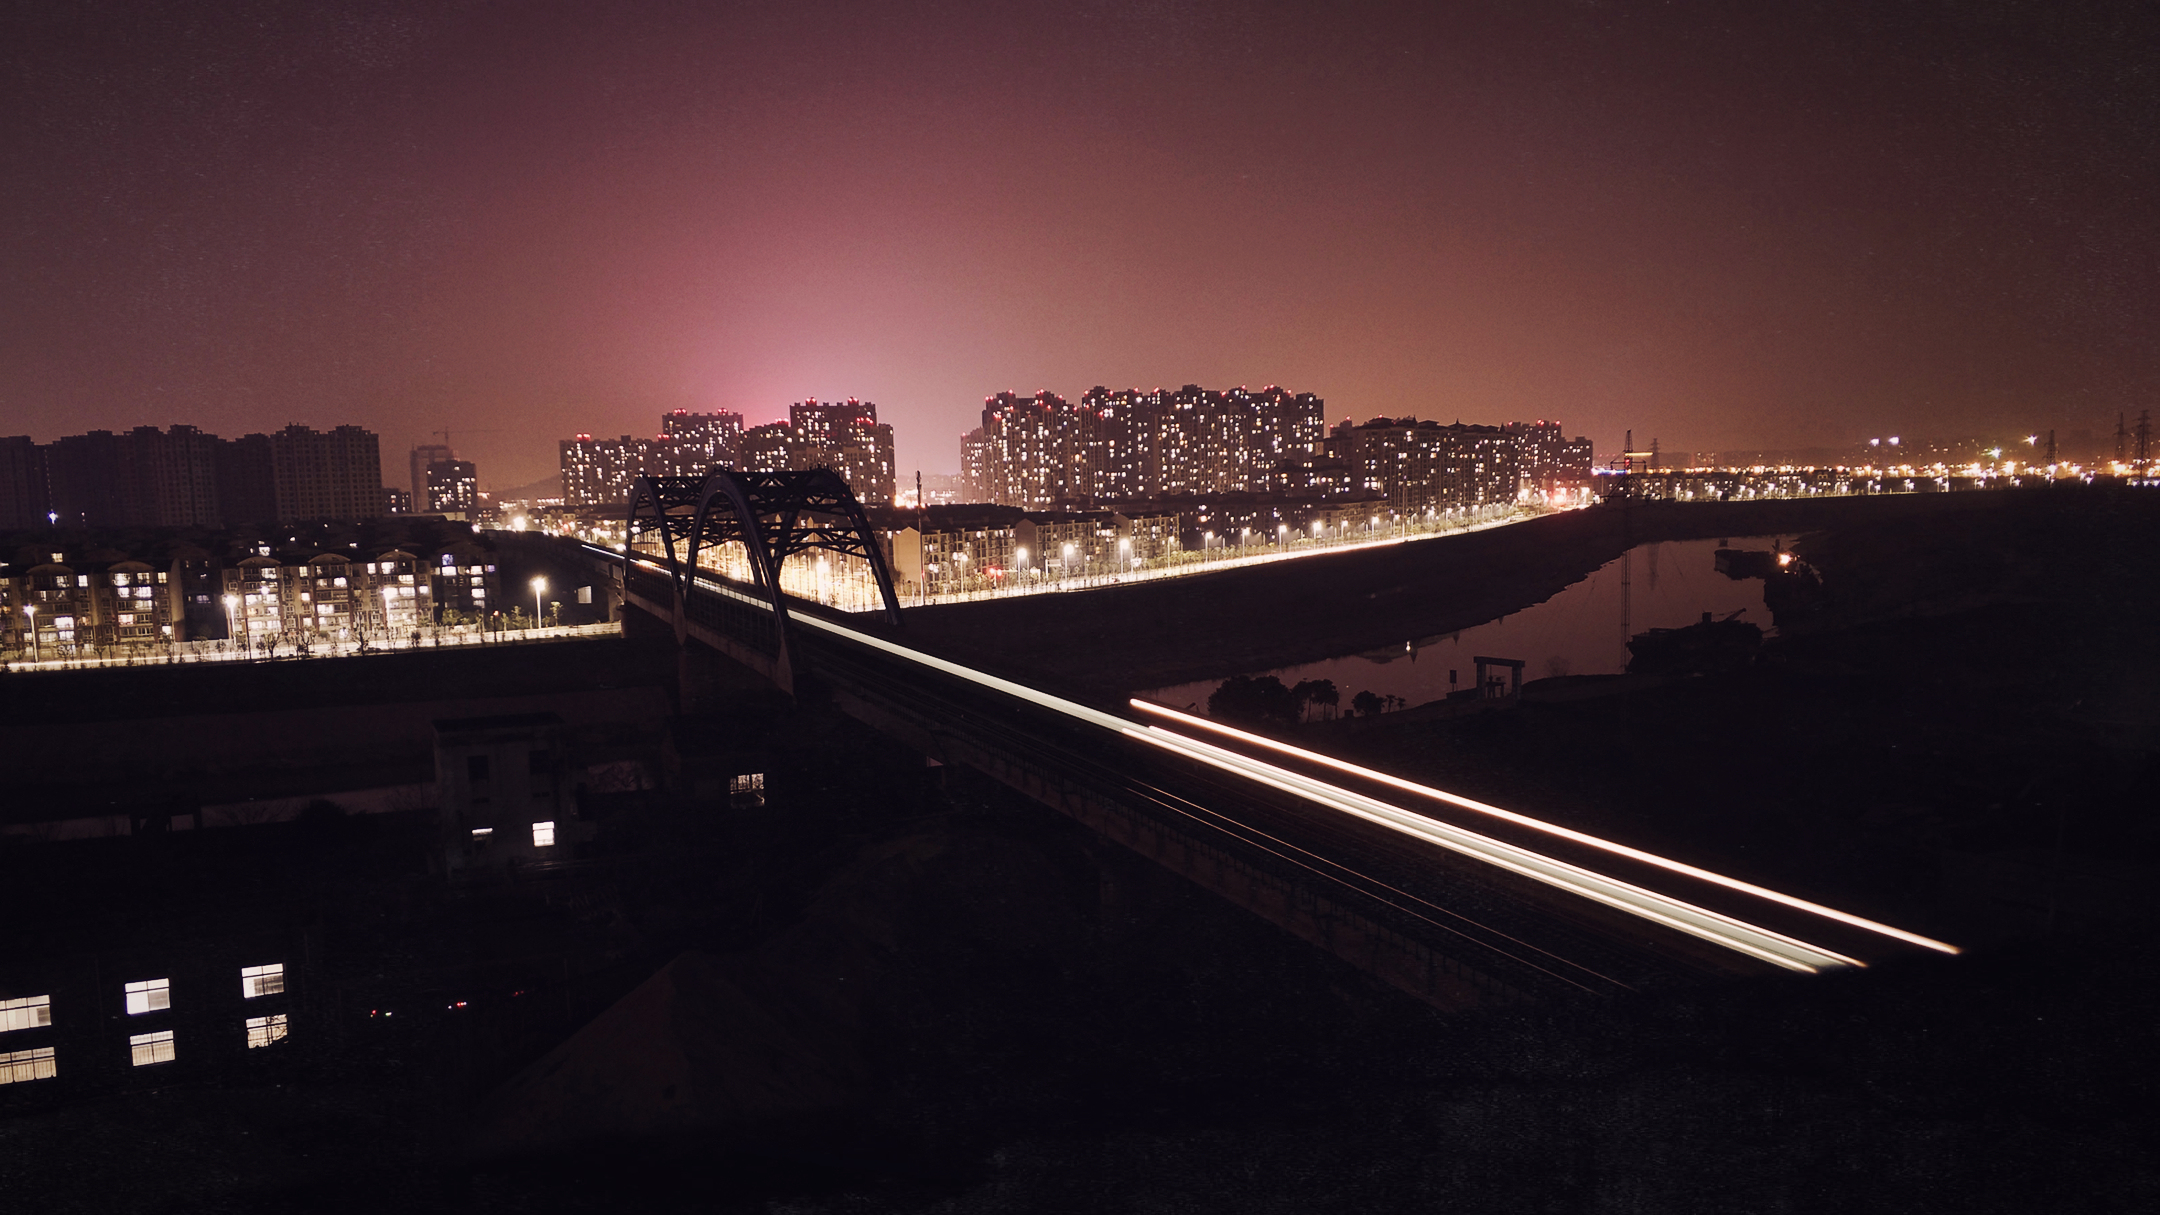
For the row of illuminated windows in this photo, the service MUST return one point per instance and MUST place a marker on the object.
(153, 995)
(145, 1050)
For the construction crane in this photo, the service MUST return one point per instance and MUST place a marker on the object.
(477, 430)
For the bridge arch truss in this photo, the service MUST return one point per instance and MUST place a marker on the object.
(773, 515)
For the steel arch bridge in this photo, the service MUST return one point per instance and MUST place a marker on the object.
(773, 515)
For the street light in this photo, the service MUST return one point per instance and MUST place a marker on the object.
(231, 602)
(538, 585)
(36, 655)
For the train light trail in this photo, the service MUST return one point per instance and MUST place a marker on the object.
(1524, 820)
(1701, 922)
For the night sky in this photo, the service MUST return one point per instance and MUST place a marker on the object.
(1719, 224)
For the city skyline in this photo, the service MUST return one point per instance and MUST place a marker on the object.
(1763, 229)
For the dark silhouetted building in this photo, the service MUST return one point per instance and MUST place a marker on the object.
(246, 480)
(24, 498)
(334, 474)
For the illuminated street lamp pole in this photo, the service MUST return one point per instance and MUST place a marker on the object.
(231, 602)
(538, 585)
(36, 655)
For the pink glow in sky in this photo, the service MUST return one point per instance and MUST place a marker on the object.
(1720, 225)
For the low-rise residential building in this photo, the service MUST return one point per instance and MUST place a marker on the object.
(136, 606)
(503, 785)
(466, 582)
(402, 596)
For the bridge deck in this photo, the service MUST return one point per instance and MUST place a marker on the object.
(1456, 903)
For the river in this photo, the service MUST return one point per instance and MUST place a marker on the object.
(1579, 631)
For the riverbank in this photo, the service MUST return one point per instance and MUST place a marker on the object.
(1121, 639)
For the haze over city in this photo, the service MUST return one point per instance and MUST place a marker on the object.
(1720, 227)
(956, 607)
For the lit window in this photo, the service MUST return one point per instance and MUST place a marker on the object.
(36, 1063)
(544, 835)
(262, 1031)
(29, 1012)
(748, 782)
(152, 1048)
(267, 980)
(481, 834)
(149, 995)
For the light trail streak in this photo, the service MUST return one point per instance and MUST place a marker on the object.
(1703, 923)
(1719, 929)
(1524, 820)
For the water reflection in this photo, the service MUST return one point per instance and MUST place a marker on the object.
(1583, 630)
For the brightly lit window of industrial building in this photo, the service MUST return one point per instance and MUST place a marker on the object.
(266, 980)
(29, 1012)
(151, 1048)
(262, 1031)
(37, 1063)
(544, 835)
(149, 995)
(748, 782)
(480, 834)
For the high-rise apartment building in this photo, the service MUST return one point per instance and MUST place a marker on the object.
(768, 448)
(86, 474)
(24, 497)
(453, 489)
(704, 439)
(173, 476)
(422, 456)
(185, 477)
(247, 480)
(334, 474)
(1128, 445)
(844, 436)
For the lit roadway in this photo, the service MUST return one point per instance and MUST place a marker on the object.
(1534, 904)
